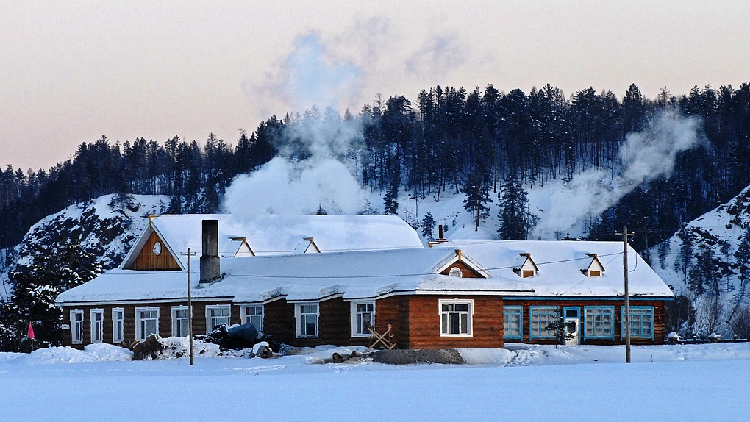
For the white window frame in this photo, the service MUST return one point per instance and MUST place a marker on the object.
(178, 323)
(97, 326)
(139, 334)
(210, 319)
(258, 311)
(76, 326)
(446, 319)
(118, 325)
(301, 319)
(358, 318)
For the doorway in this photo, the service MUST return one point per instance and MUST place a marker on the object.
(572, 322)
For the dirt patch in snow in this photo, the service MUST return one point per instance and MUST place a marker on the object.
(411, 356)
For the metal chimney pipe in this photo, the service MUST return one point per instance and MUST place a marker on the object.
(210, 262)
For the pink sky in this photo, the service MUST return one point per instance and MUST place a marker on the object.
(73, 71)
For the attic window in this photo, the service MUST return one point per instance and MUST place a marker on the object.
(456, 272)
(528, 268)
(595, 268)
(157, 248)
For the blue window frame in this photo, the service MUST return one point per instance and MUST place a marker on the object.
(599, 322)
(540, 317)
(513, 322)
(641, 322)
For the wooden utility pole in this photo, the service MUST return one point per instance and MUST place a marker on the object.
(627, 293)
(190, 305)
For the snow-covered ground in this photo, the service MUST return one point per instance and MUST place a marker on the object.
(521, 383)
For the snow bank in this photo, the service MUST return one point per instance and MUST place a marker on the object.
(100, 352)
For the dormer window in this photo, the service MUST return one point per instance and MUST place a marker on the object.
(595, 268)
(528, 268)
(456, 272)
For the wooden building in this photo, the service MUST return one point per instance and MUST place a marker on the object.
(454, 294)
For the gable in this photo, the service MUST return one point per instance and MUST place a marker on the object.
(154, 256)
(461, 262)
(466, 271)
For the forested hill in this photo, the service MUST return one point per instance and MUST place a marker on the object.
(445, 140)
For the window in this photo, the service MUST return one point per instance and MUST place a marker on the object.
(146, 322)
(180, 321)
(118, 325)
(540, 318)
(363, 317)
(217, 315)
(455, 317)
(254, 315)
(513, 322)
(307, 319)
(455, 272)
(97, 325)
(599, 322)
(641, 322)
(76, 326)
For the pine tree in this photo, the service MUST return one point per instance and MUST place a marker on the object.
(743, 259)
(37, 285)
(515, 220)
(390, 201)
(477, 192)
(428, 225)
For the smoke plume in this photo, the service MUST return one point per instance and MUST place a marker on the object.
(645, 156)
(311, 76)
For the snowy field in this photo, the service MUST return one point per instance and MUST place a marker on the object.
(523, 383)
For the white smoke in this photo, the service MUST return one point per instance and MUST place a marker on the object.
(645, 156)
(311, 76)
(283, 187)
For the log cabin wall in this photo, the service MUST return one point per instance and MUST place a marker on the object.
(393, 310)
(278, 321)
(334, 322)
(659, 320)
(147, 260)
(424, 323)
(129, 328)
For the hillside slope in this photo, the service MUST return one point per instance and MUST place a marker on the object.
(106, 227)
(705, 262)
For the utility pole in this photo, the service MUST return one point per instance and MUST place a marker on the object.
(627, 293)
(190, 305)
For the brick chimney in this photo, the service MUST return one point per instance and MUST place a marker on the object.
(440, 238)
(210, 263)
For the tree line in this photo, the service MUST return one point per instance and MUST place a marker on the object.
(447, 140)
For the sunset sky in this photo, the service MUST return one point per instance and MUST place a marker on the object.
(73, 71)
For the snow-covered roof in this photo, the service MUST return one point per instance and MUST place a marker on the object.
(371, 274)
(281, 234)
(560, 264)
